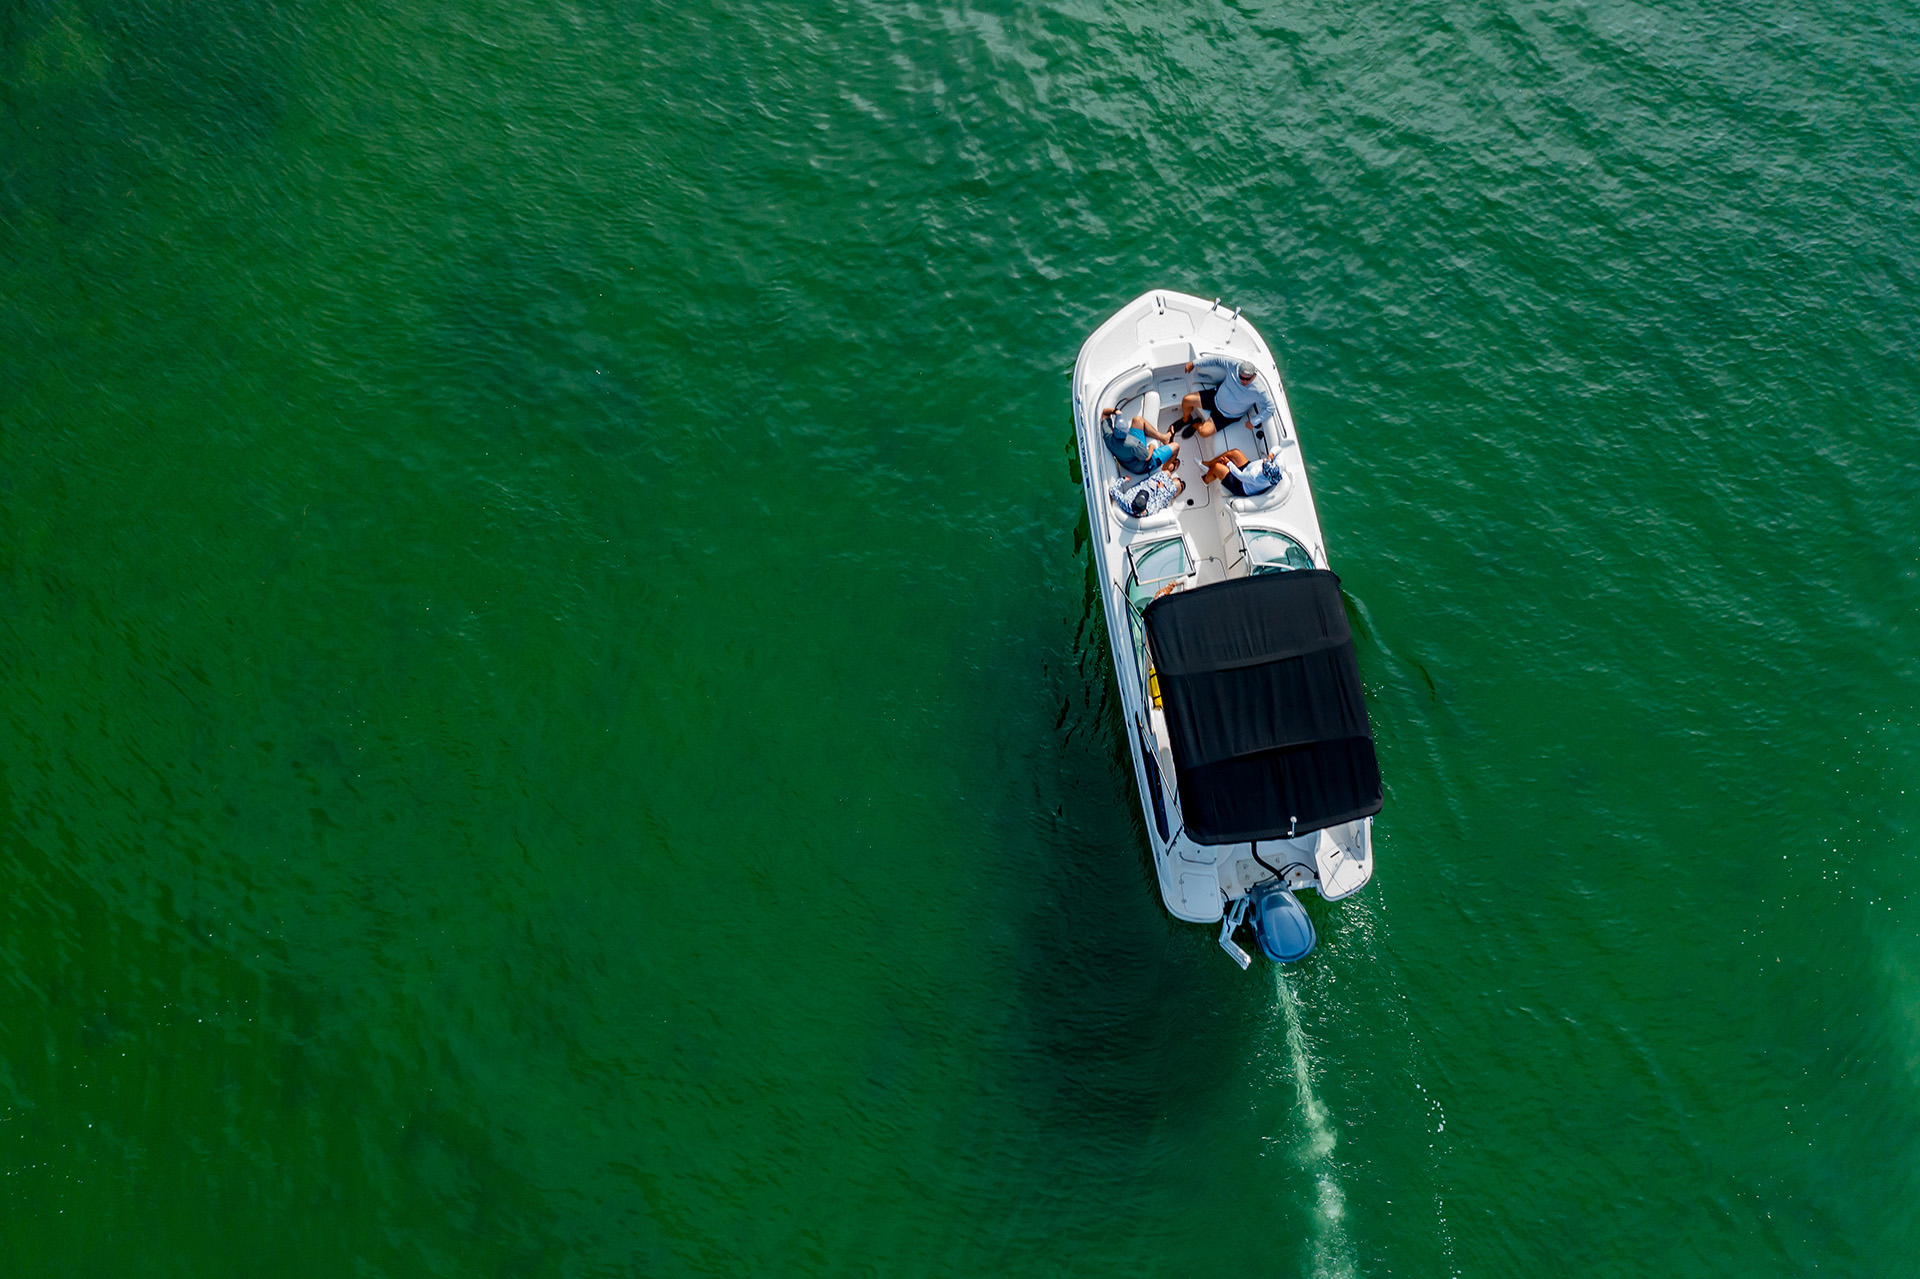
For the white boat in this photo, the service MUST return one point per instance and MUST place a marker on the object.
(1235, 664)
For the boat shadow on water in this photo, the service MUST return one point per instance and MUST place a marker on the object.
(1128, 1017)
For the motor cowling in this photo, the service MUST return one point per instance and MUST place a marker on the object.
(1280, 923)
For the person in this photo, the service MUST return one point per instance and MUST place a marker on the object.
(1193, 418)
(1151, 495)
(1236, 475)
(1138, 447)
(1238, 398)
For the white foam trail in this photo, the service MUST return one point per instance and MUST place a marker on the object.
(1333, 1256)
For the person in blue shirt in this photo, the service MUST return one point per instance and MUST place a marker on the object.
(1238, 398)
(1137, 447)
(1242, 478)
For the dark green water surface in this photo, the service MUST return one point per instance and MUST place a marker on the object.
(553, 721)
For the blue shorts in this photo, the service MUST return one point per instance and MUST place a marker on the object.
(1132, 465)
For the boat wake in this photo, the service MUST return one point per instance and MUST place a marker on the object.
(1333, 1255)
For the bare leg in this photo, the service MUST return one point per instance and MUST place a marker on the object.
(1192, 418)
(1217, 468)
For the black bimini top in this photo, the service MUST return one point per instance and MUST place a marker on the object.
(1263, 704)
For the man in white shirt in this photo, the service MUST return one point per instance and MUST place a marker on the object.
(1242, 478)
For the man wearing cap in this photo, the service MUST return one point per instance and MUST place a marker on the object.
(1151, 495)
(1238, 398)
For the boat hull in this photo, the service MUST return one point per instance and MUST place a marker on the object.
(1136, 362)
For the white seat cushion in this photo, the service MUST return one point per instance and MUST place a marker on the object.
(1169, 518)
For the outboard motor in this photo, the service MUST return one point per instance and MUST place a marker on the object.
(1281, 923)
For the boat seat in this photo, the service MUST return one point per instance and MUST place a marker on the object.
(1126, 390)
(1149, 409)
(1239, 436)
(1169, 518)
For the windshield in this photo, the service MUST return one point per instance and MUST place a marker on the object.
(1269, 551)
(1153, 567)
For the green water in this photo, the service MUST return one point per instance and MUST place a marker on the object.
(553, 721)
